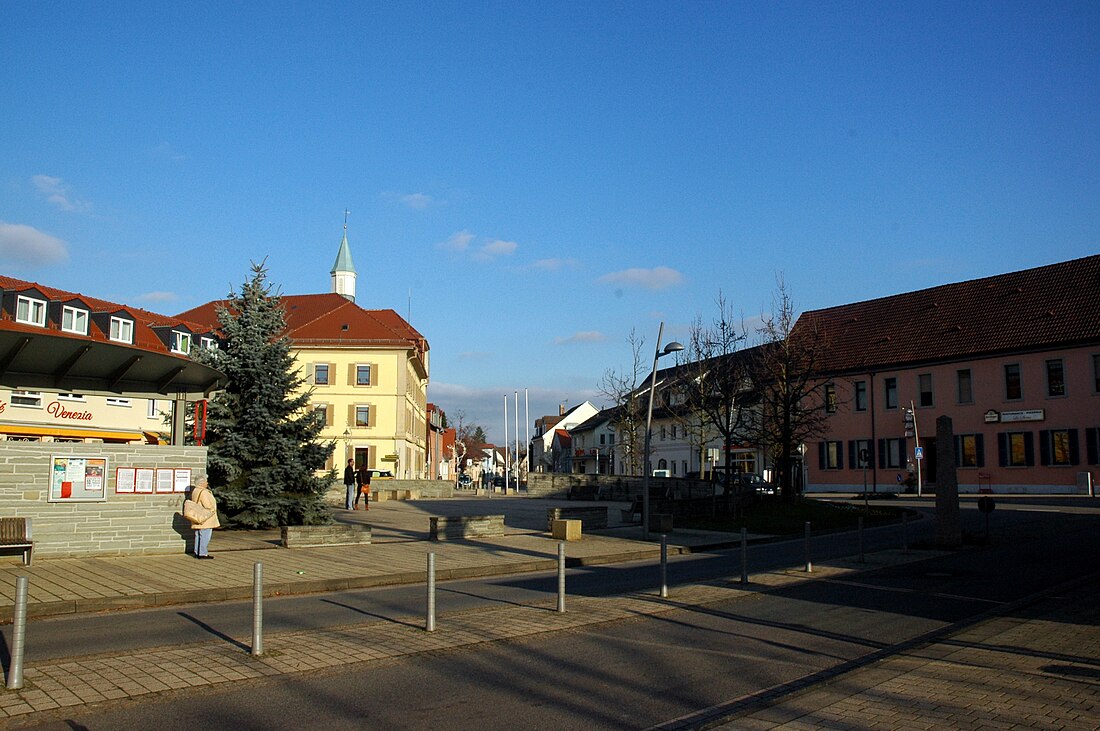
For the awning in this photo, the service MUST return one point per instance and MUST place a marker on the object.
(53, 431)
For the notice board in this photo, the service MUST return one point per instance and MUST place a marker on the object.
(78, 480)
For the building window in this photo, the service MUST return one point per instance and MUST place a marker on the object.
(1016, 449)
(830, 398)
(673, 431)
(672, 466)
(861, 395)
(859, 453)
(969, 450)
(181, 342)
(70, 397)
(30, 311)
(115, 401)
(603, 438)
(1014, 386)
(891, 453)
(924, 389)
(1058, 447)
(320, 374)
(362, 375)
(890, 385)
(74, 320)
(362, 416)
(1096, 373)
(1056, 378)
(1092, 444)
(662, 432)
(208, 343)
(122, 331)
(964, 386)
(26, 398)
(151, 411)
(831, 455)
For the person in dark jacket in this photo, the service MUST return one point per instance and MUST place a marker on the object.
(349, 485)
(364, 488)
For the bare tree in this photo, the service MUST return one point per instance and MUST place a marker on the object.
(785, 371)
(715, 380)
(620, 387)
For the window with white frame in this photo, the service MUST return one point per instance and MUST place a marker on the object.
(115, 401)
(122, 330)
(362, 415)
(1058, 447)
(964, 382)
(924, 390)
(30, 311)
(1056, 377)
(362, 374)
(832, 455)
(181, 342)
(830, 398)
(892, 455)
(969, 450)
(890, 389)
(320, 374)
(861, 395)
(70, 397)
(151, 411)
(74, 320)
(208, 343)
(26, 398)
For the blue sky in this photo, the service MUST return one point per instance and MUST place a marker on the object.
(539, 179)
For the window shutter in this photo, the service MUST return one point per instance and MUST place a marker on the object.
(852, 454)
(351, 414)
(882, 454)
(351, 374)
(840, 456)
(979, 447)
(329, 413)
(1002, 449)
(1091, 445)
(1029, 449)
(821, 455)
(1074, 454)
(958, 450)
(309, 374)
(373, 374)
(1044, 447)
(903, 456)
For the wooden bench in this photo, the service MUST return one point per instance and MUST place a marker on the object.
(16, 533)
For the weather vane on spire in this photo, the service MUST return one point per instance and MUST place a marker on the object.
(346, 212)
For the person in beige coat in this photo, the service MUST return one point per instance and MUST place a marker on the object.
(202, 495)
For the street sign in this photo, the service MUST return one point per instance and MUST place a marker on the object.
(389, 458)
(918, 452)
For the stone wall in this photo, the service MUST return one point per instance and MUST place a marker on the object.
(611, 487)
(121, 524)
(423, 489)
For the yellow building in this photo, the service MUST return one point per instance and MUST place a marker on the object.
(368, 371)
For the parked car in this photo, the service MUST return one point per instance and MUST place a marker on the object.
(379, 475)
(464, 480)
(498, 481)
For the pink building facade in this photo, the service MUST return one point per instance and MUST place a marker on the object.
(1013, 360)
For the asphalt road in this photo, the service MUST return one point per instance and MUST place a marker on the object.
(630, 674)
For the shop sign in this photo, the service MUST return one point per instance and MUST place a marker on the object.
(992, 416)
(57, 411)
(1023, 415)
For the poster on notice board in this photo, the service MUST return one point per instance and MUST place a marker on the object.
(77, 479)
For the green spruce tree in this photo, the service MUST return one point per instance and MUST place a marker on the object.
(264, 450)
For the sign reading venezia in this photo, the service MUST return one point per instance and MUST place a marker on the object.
(56, 410)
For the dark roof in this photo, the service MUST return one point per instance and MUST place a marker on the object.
(594, 421)
(1044, 308)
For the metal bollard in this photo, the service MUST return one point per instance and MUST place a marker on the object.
(429, 623)
(18, 634)
(257, 608)
(806, 544)
(861, 559)
(905, 532)
(664, 566)
(561, 576)
(744, 557)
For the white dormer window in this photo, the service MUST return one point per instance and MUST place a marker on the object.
(30, 311)
(122, 331)
(181, 342)
(74, 320)
(208, 343)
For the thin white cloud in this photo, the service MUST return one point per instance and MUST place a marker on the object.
(58, 193)
(24, 245)
(166, 150)
(554, 265)
(656, 278)
(416, 200)
(497, 247)
(586, 336)
(158, 297)
(459, 241)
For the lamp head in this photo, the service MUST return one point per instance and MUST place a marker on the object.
(672, 347)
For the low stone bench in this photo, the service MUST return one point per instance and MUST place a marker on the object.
(591, 518)
(381, 494)
(465, 526)
(312, 536)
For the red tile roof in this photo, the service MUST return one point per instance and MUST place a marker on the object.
(144, 337)
(331, 319)
(1043, 308)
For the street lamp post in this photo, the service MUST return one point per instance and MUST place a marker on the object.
(657, 353)
(347, 444)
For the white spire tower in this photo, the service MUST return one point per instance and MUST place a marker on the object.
(343, 271)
